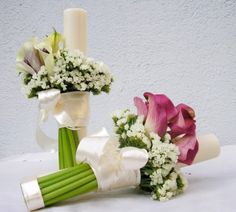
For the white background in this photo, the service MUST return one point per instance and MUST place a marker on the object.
(185, 49)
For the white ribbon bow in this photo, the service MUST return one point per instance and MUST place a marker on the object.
(69, 109)
(113, 167)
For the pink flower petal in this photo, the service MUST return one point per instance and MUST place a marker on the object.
(156, 118)
(152, 119)
(187, 111)
(161, 113)
(165, 102)
(141, 107)
(188, 147)
(183, 123)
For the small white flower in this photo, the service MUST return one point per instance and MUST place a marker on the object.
(123, 135)
(129, 133)
(126, 127)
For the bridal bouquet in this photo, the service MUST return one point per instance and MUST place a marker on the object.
(145, 151)
(168, 134)
(61, 79)
(47, 64)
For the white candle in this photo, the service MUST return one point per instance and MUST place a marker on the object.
(75, 29)
(75, 33)
(209, 147)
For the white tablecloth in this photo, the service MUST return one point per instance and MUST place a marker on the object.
(212, 187)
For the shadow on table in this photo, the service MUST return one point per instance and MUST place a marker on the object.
(101, 196)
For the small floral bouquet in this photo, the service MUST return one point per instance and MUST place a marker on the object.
(145, 151)
(47, 64)
(61, 79)
(168, 134)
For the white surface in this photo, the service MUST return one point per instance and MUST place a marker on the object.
(211, 188)
(185, 49)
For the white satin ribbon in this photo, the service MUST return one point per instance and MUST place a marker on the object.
(47, 102)
(113, 167)
(69, 109)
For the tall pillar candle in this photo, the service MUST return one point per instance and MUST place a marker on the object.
(75, 34)
(75, 29)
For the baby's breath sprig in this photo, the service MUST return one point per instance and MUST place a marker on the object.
(161, 176)
(74, 72)
(47, 64)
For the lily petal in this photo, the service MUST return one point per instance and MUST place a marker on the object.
(183, 122)
(141, 107)
(44, 50)
(165, 102)
(49, 64)
(55, 40)
(188, 147)
(23, 67)
(187, 111)
(156, 118)
(29, 56)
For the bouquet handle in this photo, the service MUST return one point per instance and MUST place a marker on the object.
(71, 111)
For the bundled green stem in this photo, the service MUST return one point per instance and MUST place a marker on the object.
(67, 144)
(67, 183)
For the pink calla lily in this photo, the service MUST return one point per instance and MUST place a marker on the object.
(141, 107)
(160, 113)
(184, 121)
(188, 147)
(156, 120)
(184, 125)
(165, 102)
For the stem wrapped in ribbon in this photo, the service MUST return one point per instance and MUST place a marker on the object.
(101, 166)
(71, 111)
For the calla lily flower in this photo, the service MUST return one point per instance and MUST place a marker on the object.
(157, 111)
(46, 56)
(160, 114)
(28, 59)
(33, 55)
(182, 129)
(55, 40)
(52, 43)
(156, 120)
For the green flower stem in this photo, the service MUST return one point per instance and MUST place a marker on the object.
(67, 144)
(76, 137)
(60, 150)
(72, 145)
(67, 188)
(50, 179)
(91, 186)
(67, 149)
(66, 182)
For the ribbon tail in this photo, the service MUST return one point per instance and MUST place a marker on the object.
(47, 102)
(47, 143)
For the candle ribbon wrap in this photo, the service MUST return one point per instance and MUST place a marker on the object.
(70, 110)
(113, 167)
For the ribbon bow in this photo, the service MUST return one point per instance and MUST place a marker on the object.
(70, 110)
(113, 167)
